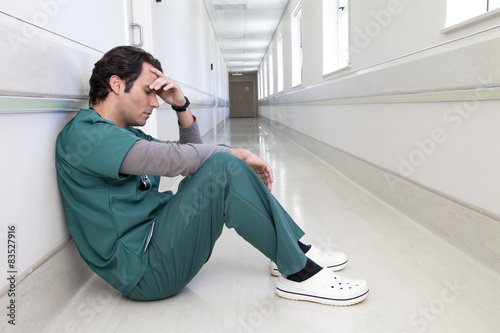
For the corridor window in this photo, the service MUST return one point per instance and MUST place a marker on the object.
(259, 79)
(297, 45)
(458, 11)
(271, 74)
(279, 55)
(335, 35)
(266, 80)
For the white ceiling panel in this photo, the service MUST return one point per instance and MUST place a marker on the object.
(266, 4)
(264, 27)
(244, 29)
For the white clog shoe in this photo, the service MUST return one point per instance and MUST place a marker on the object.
(324, 287)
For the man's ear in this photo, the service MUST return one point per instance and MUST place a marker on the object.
(117, 85)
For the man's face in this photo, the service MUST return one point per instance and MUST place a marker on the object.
(137, 105)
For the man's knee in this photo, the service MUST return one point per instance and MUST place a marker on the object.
(227, 162)
(222, 156)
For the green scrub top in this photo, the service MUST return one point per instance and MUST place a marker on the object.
(109, 216)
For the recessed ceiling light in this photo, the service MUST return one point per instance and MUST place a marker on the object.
(232, 36)
(231, 7)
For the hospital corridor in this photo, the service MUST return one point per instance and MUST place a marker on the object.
(379, 118)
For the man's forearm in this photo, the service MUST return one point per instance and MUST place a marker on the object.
(166, 159)
(190, 134)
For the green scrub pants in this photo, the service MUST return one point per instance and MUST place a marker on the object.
(225, 190)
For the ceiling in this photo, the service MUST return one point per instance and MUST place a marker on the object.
(244, 29)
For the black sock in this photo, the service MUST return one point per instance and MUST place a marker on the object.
(308, 271)
(304, 247)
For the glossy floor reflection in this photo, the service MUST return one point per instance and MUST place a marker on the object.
(418, 283)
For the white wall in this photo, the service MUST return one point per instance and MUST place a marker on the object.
(416, 102)
(48, 49)
(87, 22)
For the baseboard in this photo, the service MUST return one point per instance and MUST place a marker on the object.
(54, 283)
(471, 231)
(37, 264)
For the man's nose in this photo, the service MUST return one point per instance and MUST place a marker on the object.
(153, 102)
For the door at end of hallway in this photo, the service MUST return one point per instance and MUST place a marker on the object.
(242, 99)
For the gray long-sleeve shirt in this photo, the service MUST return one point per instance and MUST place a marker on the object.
(169, 158)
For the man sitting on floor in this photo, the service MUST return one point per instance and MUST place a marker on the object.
(149, 244)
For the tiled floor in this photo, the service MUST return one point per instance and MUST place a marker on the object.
(418, 283)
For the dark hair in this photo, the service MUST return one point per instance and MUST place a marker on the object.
(125, 62)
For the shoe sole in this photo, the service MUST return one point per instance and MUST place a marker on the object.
(336, 268)
(322, 300)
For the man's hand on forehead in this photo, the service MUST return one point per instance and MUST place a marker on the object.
(167, 88)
